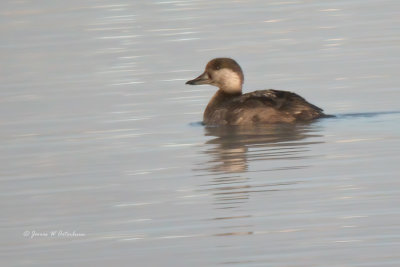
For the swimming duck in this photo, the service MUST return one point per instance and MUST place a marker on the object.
(229, 106)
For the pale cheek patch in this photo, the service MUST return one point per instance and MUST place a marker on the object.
(228, 80)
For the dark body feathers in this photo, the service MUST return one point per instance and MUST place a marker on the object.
(263, 106)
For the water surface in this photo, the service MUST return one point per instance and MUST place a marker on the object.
(101, 139)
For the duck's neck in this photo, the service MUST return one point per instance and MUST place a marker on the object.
(219, 98)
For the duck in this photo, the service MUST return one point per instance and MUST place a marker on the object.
(229, 106)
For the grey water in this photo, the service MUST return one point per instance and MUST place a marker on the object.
(104, 160)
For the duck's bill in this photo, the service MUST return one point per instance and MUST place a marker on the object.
(202, 79)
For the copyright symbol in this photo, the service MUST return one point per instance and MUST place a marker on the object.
(26, 233)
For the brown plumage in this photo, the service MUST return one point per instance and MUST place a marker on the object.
(230, 107)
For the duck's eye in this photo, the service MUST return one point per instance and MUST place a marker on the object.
(218, 67)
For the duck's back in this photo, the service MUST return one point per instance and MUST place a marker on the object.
(260, 107)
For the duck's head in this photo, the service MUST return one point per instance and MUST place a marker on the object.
(224, 73)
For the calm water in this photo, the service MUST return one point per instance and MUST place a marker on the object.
(103, 159)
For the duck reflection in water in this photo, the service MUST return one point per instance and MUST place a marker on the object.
(230, 147)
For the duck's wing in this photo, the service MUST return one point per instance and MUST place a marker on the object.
(283, 101)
